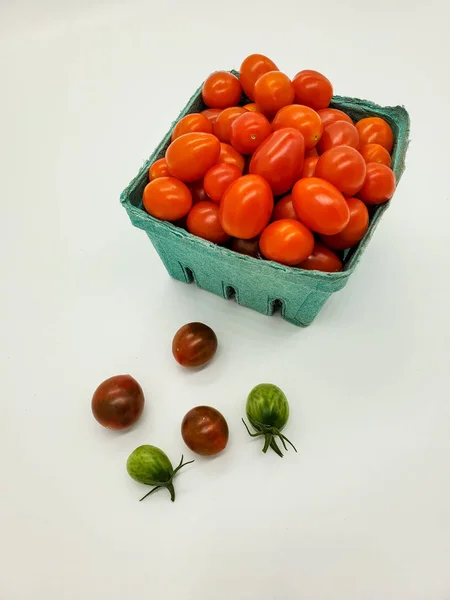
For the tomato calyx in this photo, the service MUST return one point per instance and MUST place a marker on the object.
(168, 484)
(270, 433)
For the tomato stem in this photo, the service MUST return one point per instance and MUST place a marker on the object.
(168, 484)
(269, 434)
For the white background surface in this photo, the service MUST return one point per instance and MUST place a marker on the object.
(362, 512)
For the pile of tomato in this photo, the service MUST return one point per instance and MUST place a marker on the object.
(282, 178)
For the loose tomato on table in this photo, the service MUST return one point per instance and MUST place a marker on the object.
(284, 209)
(118, 402)
(322, 259)
(379, 185)
(376, 153)
(194, 345)
(251, 70)
(218, 178)
(248, 247)
(273, 90)
(286, 241)
(203, 221)
(344, 167)
(374, 130)
(158, 169)
(312, 89)
(248, 132)
(246, 207)
(303, 118)
(167, 198)
(339, 133)
(221, 90)
(320, 205)
(192, 123)
(354, 230)
(231, 156)
(191, 155)
(279, 159)
(331, 115)
(211, 114)
(205, 431)
(223, 123)
(309, 166)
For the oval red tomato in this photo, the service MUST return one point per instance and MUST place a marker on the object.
(312, 89)
(379, 185)
(272, 91)
(374, 130)
(203, 221)
(251, 70)
(248, 132)
(339, 133)
(284, 209)
(167, 198)
(286, 241)
(344, 167)
(118, 402)
(223, 123)
(322, 259)
(221, 90)
(279, 159)
(309, 166)
(320, 206)
(192, 123)
(231, 156)
(204, 430)
(246, 207)
(376, 153)
(218, 178)
(303, 118)
(191, 155)
(331, 115)
(355, 229)
(158, 169)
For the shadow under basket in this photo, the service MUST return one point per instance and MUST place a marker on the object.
(261, 285)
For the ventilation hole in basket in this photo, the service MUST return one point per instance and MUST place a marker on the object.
(277, 306)
(190, 277)
(230, 292)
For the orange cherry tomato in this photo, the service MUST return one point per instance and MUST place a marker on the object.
(246, 207)
(203, 221)
(311, 152)
(198, 191)
(344, 167)
(222, 125)
(376, 153)
(379, 185)
(251, 70)
(167, 198)
(331, 115)
(286, 241)
(248, 132)
(303, 118)
(252, 107)
(218, 178)
(248, 247)
(273, 90)
(191, 123)
(309, 166)
(322, 259)
(374, 130)
(339, 133)
(284, 209)
(158, 169)
(355, 229)
(279, 159)
(221, 90)
(211, 114)
(312, 89)
(191, 155)
(231, 156)
(320, 206)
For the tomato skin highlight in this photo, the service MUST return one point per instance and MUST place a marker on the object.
(376, 153)
(211, 114)
(203, 221)
(158, 169)
(286, 241)
(194, 345)
(355, 229)
(374, 130)
(273, 90)
(339, 133)
(194, 122)
(218, 178)
(205, 431)
(320, 205)
(167, 198)
(191, 155)
(303, 118)
(251, 69)
(229, 155)
(249, 131)
(221, 90)
(246, 207)
(118, 402)
(344, 167)
(309, 166)
(379, 185)
(331, 115)
(312, 89)
(279, 159)
(322, 259)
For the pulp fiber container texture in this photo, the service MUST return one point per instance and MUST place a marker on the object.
(261, 285)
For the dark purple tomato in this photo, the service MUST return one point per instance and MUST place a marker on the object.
(118, 402)
(249, 247)
(204, 430)
(194, 345)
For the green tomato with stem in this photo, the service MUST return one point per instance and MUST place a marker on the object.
(268, 412)
(150, 465)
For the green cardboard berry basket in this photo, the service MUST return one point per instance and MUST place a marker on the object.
(261, 285)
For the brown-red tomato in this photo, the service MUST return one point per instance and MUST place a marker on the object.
(194, 345)
(205, 430)
(118, 402)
